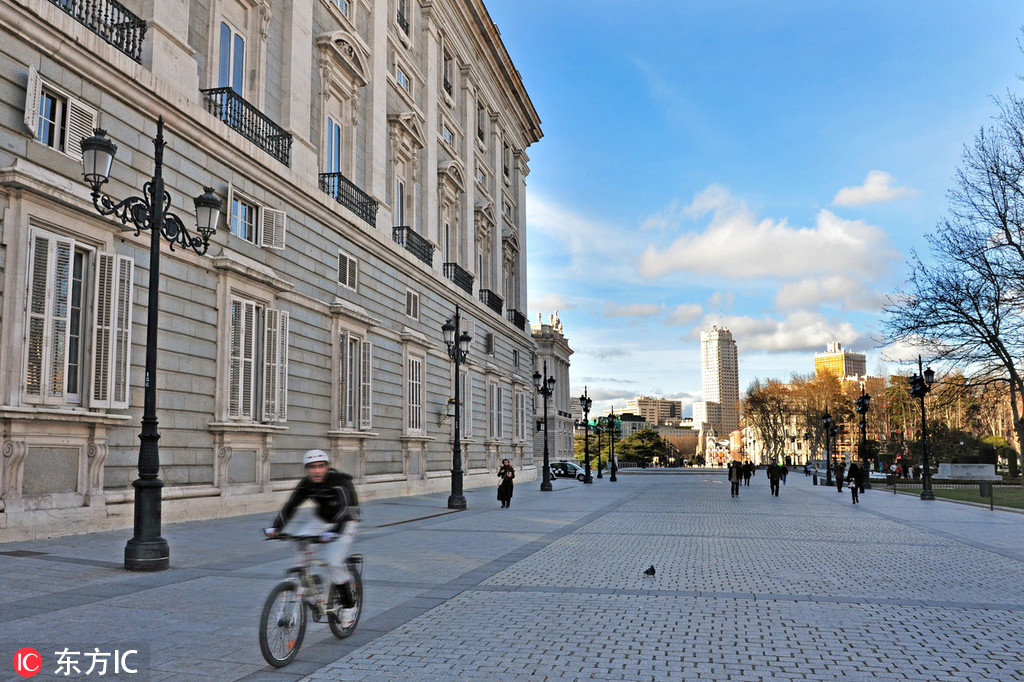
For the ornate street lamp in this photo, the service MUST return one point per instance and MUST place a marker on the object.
(598, 429)
(147, 550)
(920, 385)
(545, 386)
(586, 403)
(611, 455)
(457, 340)
(826, 421)
(863, 404)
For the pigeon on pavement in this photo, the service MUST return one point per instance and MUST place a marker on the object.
(650, 571)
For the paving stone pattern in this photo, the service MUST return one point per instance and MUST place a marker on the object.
(804, 586)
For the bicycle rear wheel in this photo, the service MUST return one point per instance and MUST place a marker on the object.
(282, 625)
(343, 622)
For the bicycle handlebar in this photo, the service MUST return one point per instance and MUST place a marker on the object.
(289, 536)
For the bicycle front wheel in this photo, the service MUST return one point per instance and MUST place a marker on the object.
(282, 625)
(343, 621)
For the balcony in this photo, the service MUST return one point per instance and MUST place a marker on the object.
(448, 86)
(250, 122)
(111, 21)
(491, 300)
(403, 22)
(457, 274)
(516, 318)
(342, 190)
(414, 244)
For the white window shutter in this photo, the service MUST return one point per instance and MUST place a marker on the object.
(33, 90)
(343, 381)
(366, 387)
(102, 330)
(243, 315)
(282, 369)
(80, 124)
(38, 316)
(121, 356)
(62, 251)
(271, 363)
(273, 228)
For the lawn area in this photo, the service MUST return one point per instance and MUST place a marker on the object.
(1003, 496)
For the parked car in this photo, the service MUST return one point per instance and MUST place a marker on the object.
(566, 469)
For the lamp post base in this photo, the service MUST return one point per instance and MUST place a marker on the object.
(545, 487)
(147, 550)
(588, 479)
(456, 501)
(927, 495)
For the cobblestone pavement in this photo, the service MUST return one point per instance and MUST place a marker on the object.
(802, 586)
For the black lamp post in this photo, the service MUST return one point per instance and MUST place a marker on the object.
(545, 386)
(920, 385)
(611, 455)
(598, 429)
(457, 340)
(826, 421)
(147, 550)
(863, 404)
(586, 403)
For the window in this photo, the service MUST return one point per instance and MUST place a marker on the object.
(332, 162)
(481, 113)
(412, 304)
(414, 394)
(258, 374)
(520, 416)
(515, 357)
(402, 80)
(356, 382)
(348, 268)
(481, 176)
(56, 119)
(494, 421)
(255, 223)
(232, 59)
(506, 159)
(402, 15)
(448, 135)
(489, 343)
(62, 276)
(400, 203)
(446, 71)
(342, 5)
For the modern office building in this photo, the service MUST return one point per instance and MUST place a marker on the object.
(840, 363)
(552, 356)
(370, 158)
(719, 372)
(655, 410)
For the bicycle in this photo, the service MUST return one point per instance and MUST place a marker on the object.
(283, 620)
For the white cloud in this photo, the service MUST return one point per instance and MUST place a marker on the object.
(738, 244)
(877, 189)
(722, 300)
(685, 314)
(800, 331)
(632, 310)
(850, 293)
(550, 303)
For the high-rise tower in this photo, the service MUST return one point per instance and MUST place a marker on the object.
(720, 381)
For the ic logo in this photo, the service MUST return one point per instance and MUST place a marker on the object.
(27, 662)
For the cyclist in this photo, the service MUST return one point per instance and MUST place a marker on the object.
(337, 516)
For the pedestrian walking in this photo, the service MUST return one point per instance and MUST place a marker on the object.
(774, 473)
(505, 475)
(748, 471)
(854, 477)
(785, 472)
(838, 472)
(734, 478)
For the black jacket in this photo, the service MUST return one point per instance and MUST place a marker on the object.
(335, 499)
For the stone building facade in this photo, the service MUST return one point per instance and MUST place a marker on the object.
(552, 355)
(371, 159)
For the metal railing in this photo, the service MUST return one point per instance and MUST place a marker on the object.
(491, 300)
(111, 21)
(403, 22)
(250, 122)
(345, 192)
(460, 276)
(448, 86)
(414, 244)
(516, 318)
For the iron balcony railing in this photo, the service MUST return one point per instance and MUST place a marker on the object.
(448, 86)
(516, 318)
(250, 122)
(351, 197)
(458, 274)
(491, 300)
(111, 21)
(414, 244)
(403, 22)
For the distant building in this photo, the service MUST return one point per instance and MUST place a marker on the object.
(553, 352)
(720, 382)
(655, 410)
(682, 439)
(840, 363)
(630, 424)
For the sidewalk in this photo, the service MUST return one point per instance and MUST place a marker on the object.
(803, 586)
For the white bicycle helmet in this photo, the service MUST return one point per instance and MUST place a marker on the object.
(314, 456)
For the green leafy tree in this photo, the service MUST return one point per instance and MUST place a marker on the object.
(642, 446)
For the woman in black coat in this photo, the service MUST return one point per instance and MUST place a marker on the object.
(505, 474)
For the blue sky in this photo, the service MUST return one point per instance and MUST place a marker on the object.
(763, 166)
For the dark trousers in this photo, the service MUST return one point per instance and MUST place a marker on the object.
(853, 492)
(735, 488)
(775, 488)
